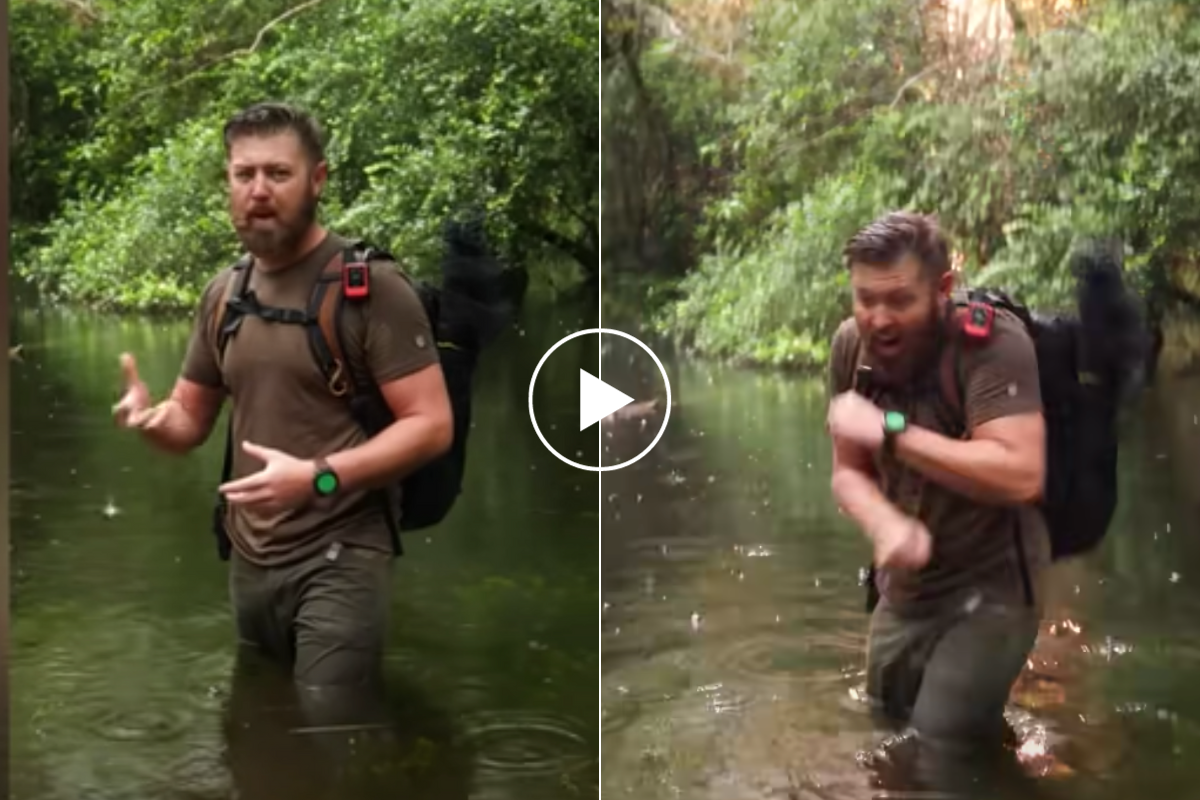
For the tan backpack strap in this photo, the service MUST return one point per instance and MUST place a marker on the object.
(325, 338)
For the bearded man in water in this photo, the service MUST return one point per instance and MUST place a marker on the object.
(945, 494)
(311, 544)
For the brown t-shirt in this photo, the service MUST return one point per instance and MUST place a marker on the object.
(974, 545)
(280, 399)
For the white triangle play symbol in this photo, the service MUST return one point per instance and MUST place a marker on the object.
(597, 400)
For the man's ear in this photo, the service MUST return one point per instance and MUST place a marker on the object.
(946, 284)
(319, 175)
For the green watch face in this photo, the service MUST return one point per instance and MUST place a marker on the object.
(894, 422)
(326, 483)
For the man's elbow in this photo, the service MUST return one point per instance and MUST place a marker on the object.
(1030, 488)
(441, 433)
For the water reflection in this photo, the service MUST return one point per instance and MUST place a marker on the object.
(733, 625)
(125, 679)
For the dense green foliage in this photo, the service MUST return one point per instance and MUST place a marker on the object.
(824, 114)
(430, 107)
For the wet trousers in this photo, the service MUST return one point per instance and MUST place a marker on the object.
(308, 685)
(325, 616)
(948, 675)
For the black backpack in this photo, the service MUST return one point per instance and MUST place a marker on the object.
(465, 314)
(1080, 404)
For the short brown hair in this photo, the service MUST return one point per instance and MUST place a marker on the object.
(267, 119)
(891, 237)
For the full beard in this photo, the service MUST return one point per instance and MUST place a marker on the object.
(916, 350)
(279, 240)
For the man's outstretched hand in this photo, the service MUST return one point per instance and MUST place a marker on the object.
(134, 409)
(131, 410)
(284, 483)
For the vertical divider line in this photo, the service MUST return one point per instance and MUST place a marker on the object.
(599, 428)
(5, 409)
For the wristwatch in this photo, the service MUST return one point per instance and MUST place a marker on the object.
(325, 480)
(894, 424)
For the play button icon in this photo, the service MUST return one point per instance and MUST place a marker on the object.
(599, 400)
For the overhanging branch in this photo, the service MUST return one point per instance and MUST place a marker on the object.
(233, 54)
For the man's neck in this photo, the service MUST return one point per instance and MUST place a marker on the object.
(279, 262)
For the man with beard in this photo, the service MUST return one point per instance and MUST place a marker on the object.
(311, 543)
(945, 494)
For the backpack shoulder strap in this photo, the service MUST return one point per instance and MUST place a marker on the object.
(235, 287)
(951, 367)
(952, 377)
(855, 364)
(325, 336)
(326, 306)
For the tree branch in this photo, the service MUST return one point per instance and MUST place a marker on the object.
(915, 79)
(233, 54)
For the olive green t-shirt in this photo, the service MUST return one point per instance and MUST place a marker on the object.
(280, 398)
(975, 545)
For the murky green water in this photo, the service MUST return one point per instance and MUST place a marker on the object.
(122, 641)
(733, 626)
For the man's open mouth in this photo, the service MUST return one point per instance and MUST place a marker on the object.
(886, 345)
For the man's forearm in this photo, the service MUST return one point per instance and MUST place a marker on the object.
(177, 431)
(401, 448)
(983, 470)
(859, 496)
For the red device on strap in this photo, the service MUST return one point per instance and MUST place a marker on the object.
(356, 280)
(977, 323)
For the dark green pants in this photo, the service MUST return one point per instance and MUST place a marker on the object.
(308, 686)
(326, 617)
(948, 676)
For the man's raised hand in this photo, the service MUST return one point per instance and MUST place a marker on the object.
(134, 409)
(130, 410)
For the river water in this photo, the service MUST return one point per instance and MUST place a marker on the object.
(733, 627)
(122, 640)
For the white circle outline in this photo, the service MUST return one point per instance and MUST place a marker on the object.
(600, 332)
